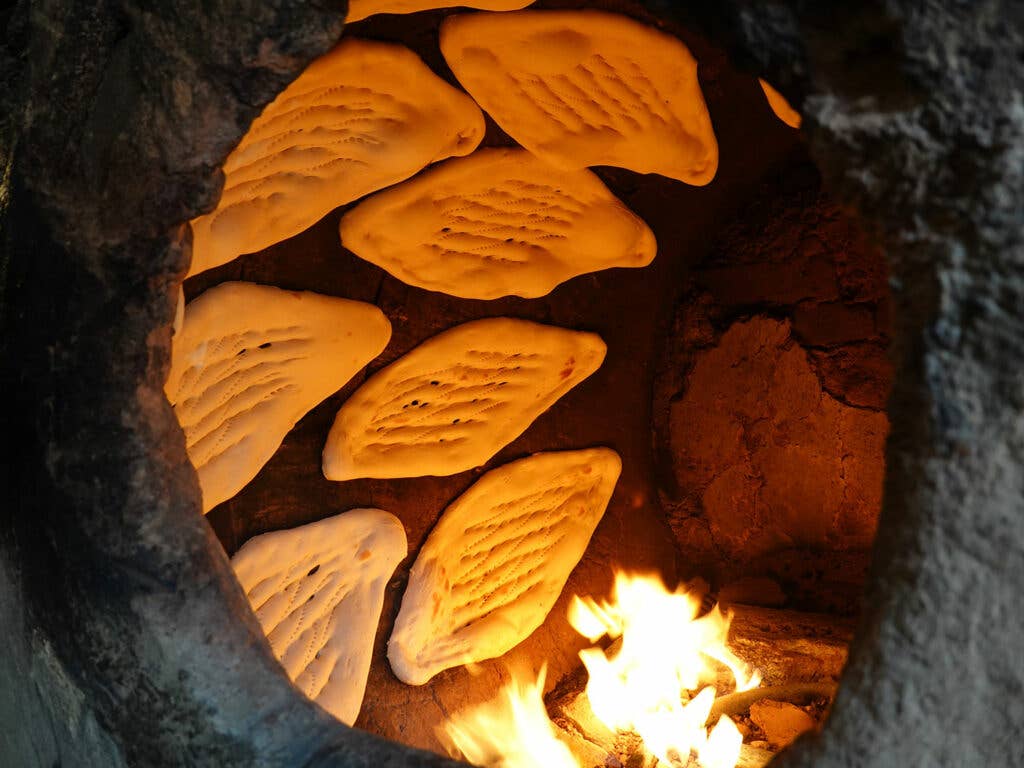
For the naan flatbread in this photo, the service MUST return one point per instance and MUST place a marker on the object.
(358, 119)
(780, 106)
(497, 560)
(583, 88)
(454, 401)
(317, 591)
(249, 362)
(499, 222)
(360, 9)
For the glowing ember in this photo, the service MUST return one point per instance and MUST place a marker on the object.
(511, 731)
(657, 681)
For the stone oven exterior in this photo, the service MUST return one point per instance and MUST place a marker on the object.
(127, 639)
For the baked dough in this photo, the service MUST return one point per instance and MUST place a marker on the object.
(497, 560)
(454, 401)
(317, 591)
(358, 119)
(360, 9)
(780, 106)
(583, 88)
(249, 362)
(179, 312)
(499, 222)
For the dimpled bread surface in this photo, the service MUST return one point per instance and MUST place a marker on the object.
(496, 223)
(317, 591)
(360, 118)
(454, 401)
(499, 557)
(249, 361)
(361, 9)
(585, 88)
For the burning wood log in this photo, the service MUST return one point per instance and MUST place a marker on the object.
(790, 646)
(741, 701)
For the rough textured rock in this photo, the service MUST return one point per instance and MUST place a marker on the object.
(789, 646)
(780, 721)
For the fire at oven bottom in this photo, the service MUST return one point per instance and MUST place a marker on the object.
(666, 688)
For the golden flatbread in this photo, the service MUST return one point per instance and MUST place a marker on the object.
(360, 118)
(499, 222)
(583, 88)
(455, 400)
(249, 362)
(780, 106)
(497, 560)
(360, 9)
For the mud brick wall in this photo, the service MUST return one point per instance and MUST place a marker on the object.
(769, 411)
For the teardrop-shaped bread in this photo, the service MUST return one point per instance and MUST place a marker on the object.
(779, 105)
(583, 88)
(457, 399)
(362, 117)
(499, 222)
(361, 9)
(497, 560)
(249, 361)
(317, 591)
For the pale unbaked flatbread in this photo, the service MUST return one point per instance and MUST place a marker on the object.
(360, 9)
(498, 222)
(360, 118)
(582, 88)
(249, 362)
(497, 560)
(453, 402)
(317, 591)
(780, 106)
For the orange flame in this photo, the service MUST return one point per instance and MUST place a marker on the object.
(665, 654)
(656, 683)
(510, 731)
